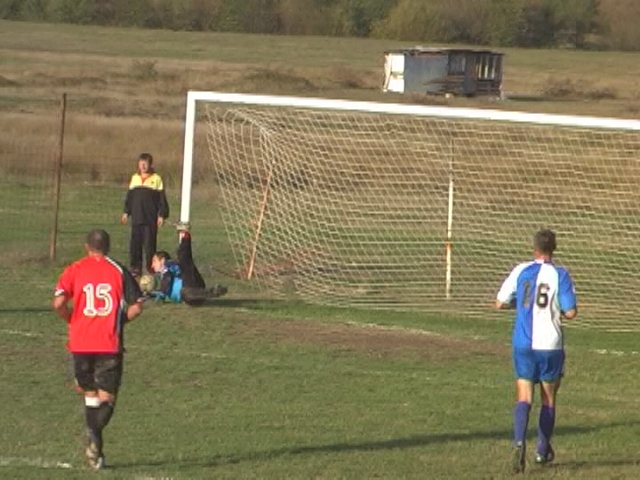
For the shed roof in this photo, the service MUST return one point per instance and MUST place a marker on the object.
(418, 49)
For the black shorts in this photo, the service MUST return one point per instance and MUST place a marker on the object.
(98, 371)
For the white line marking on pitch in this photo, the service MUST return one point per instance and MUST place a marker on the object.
(32, 462)
(615, 353)
(22, 334)
(137, 347)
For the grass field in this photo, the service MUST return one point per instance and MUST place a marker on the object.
(256, 387)
(252, 388)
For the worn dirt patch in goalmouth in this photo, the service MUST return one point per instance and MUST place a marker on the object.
(374, 340)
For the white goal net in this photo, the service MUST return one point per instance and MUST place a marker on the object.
(400, 206)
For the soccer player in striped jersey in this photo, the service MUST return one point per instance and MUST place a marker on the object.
(104, 296)
(542, 293)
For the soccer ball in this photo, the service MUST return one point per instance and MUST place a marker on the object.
(147, 283)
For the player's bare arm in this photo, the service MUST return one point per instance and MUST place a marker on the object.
(61, 308)
(134, 310)
(505, 305)
(570, 314)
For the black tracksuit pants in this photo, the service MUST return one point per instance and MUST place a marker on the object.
(142, 245)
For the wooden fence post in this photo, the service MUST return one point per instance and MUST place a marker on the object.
(57, 172)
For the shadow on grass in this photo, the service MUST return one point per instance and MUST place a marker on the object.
(397, 443)
(247, 303)
(536, 98)
(596, 463)
(251, 303)
(25, 310)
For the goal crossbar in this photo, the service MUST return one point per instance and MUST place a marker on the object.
(358, 106)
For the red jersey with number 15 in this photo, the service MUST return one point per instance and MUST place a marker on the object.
(101, 290)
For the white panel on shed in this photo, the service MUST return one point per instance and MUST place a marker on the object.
(397, 62)
(395, 84)
(393, 73)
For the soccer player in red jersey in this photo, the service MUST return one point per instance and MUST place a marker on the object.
(104, 296)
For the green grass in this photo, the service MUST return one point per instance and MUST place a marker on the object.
(253, 387)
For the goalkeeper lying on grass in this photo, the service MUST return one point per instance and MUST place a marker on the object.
(178, 281)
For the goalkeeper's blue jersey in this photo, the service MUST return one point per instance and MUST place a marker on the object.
(542, 292)
(171, 283)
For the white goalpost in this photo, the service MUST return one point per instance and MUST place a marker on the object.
(416, 207)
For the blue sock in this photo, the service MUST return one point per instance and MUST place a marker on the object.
(545, 427)
(520, 421)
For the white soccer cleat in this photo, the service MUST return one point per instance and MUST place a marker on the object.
(99, 463)
(94, 457)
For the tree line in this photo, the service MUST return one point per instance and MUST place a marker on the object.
(582, 24)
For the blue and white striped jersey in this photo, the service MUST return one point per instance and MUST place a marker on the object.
(542, 291)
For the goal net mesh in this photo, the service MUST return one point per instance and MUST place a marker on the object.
(356, 208)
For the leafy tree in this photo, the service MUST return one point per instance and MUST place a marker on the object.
(10, 9)
(538, 25)
(105, 12)
(161, 15)
(450, 21)
(575, 19)
(506, 19)
(618, 24)
(523, 23)
(260, 16)
(73, 11)
(126, 12)
(358, 17)
(299, 17)
(410, 20)
(231, 13)
(34, 9)
(464, 22)
(180, 15)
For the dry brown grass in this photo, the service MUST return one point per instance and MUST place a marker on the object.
(126, 88)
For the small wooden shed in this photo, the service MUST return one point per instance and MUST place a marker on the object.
(453, 71)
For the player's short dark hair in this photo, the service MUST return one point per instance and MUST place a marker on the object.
(162, 255)
(544, 241)
(99, 240)
(147, 157)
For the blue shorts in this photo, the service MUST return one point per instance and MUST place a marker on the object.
(538, 365)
